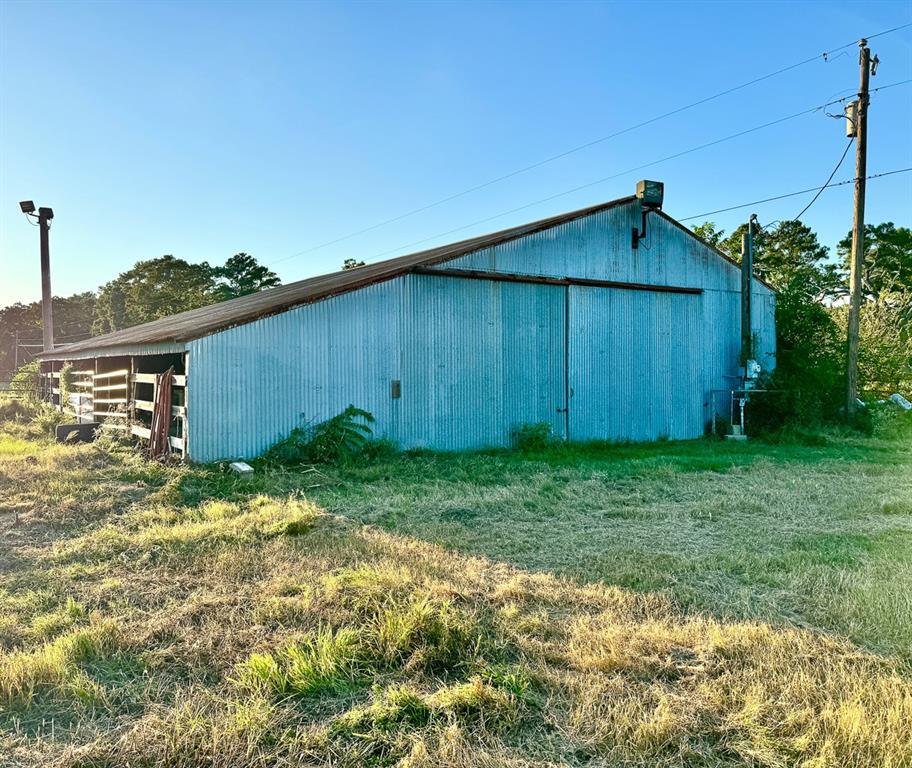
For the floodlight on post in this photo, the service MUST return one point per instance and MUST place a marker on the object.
(44, 217)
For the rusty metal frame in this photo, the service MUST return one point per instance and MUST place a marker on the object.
(509, 277)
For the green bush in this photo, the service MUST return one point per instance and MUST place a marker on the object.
(340, 438)
(533, 437)
(795, 435)
(784, 407)
(47, 418)
(13, 409)
(890, 422)
(27, 382)
(66, 384)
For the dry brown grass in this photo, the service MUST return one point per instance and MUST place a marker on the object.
(262, 631)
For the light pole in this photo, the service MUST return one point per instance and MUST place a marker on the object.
(44, 217)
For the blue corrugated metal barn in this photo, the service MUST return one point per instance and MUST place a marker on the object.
(560, 321)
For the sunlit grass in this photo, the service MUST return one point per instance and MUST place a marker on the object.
(675, 605)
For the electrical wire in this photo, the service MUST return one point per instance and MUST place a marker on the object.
(604, 179)
(827, 183)
(824, 56)
(852, 91)
(890, 85)
(885, 32)
(791, 194)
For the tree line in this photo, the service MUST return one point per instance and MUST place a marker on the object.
(150, 290)
(812, 311)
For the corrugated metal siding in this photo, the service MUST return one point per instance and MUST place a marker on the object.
(477, 358)
(251, 385)
(598, 247)
(635, 365)
(763, 321)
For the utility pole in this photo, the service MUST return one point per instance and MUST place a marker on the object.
(857, 259)
(47, 313)
(747, 274)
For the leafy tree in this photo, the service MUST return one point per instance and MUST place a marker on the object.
(151, 290)
(887, 265)
(160, 287)
(710, 233)
(809, 356)
(352, 264)
(885, 328)
(885, 343)
(789, 255)
(242, 274)
(72, 321)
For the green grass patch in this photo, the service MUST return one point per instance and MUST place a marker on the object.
(327, 662)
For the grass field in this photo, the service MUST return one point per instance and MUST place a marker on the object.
(678, 604)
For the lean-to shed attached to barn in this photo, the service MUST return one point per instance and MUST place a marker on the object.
(560, 321)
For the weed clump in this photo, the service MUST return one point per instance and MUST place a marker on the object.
(533, 437)
(54, 667)
(421, 635)
(326, 662)
(340, 438)
(428, 634)
(400, 716)
(15, 410)
(49, 624)
(395, 707)
(46, 419)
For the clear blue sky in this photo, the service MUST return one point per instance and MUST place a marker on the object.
(204, 129)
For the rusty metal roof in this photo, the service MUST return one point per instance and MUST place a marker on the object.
(196, 323)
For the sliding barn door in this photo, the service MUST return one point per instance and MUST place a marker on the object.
(634, 364)
(480, 359)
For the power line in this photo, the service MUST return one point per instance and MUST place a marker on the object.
(885, 32)
(824, 56)
(827, 182)
(891, 85)
(792, 194)
(852, 93)
(607, 178)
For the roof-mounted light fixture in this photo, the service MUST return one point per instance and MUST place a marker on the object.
(651, 194)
